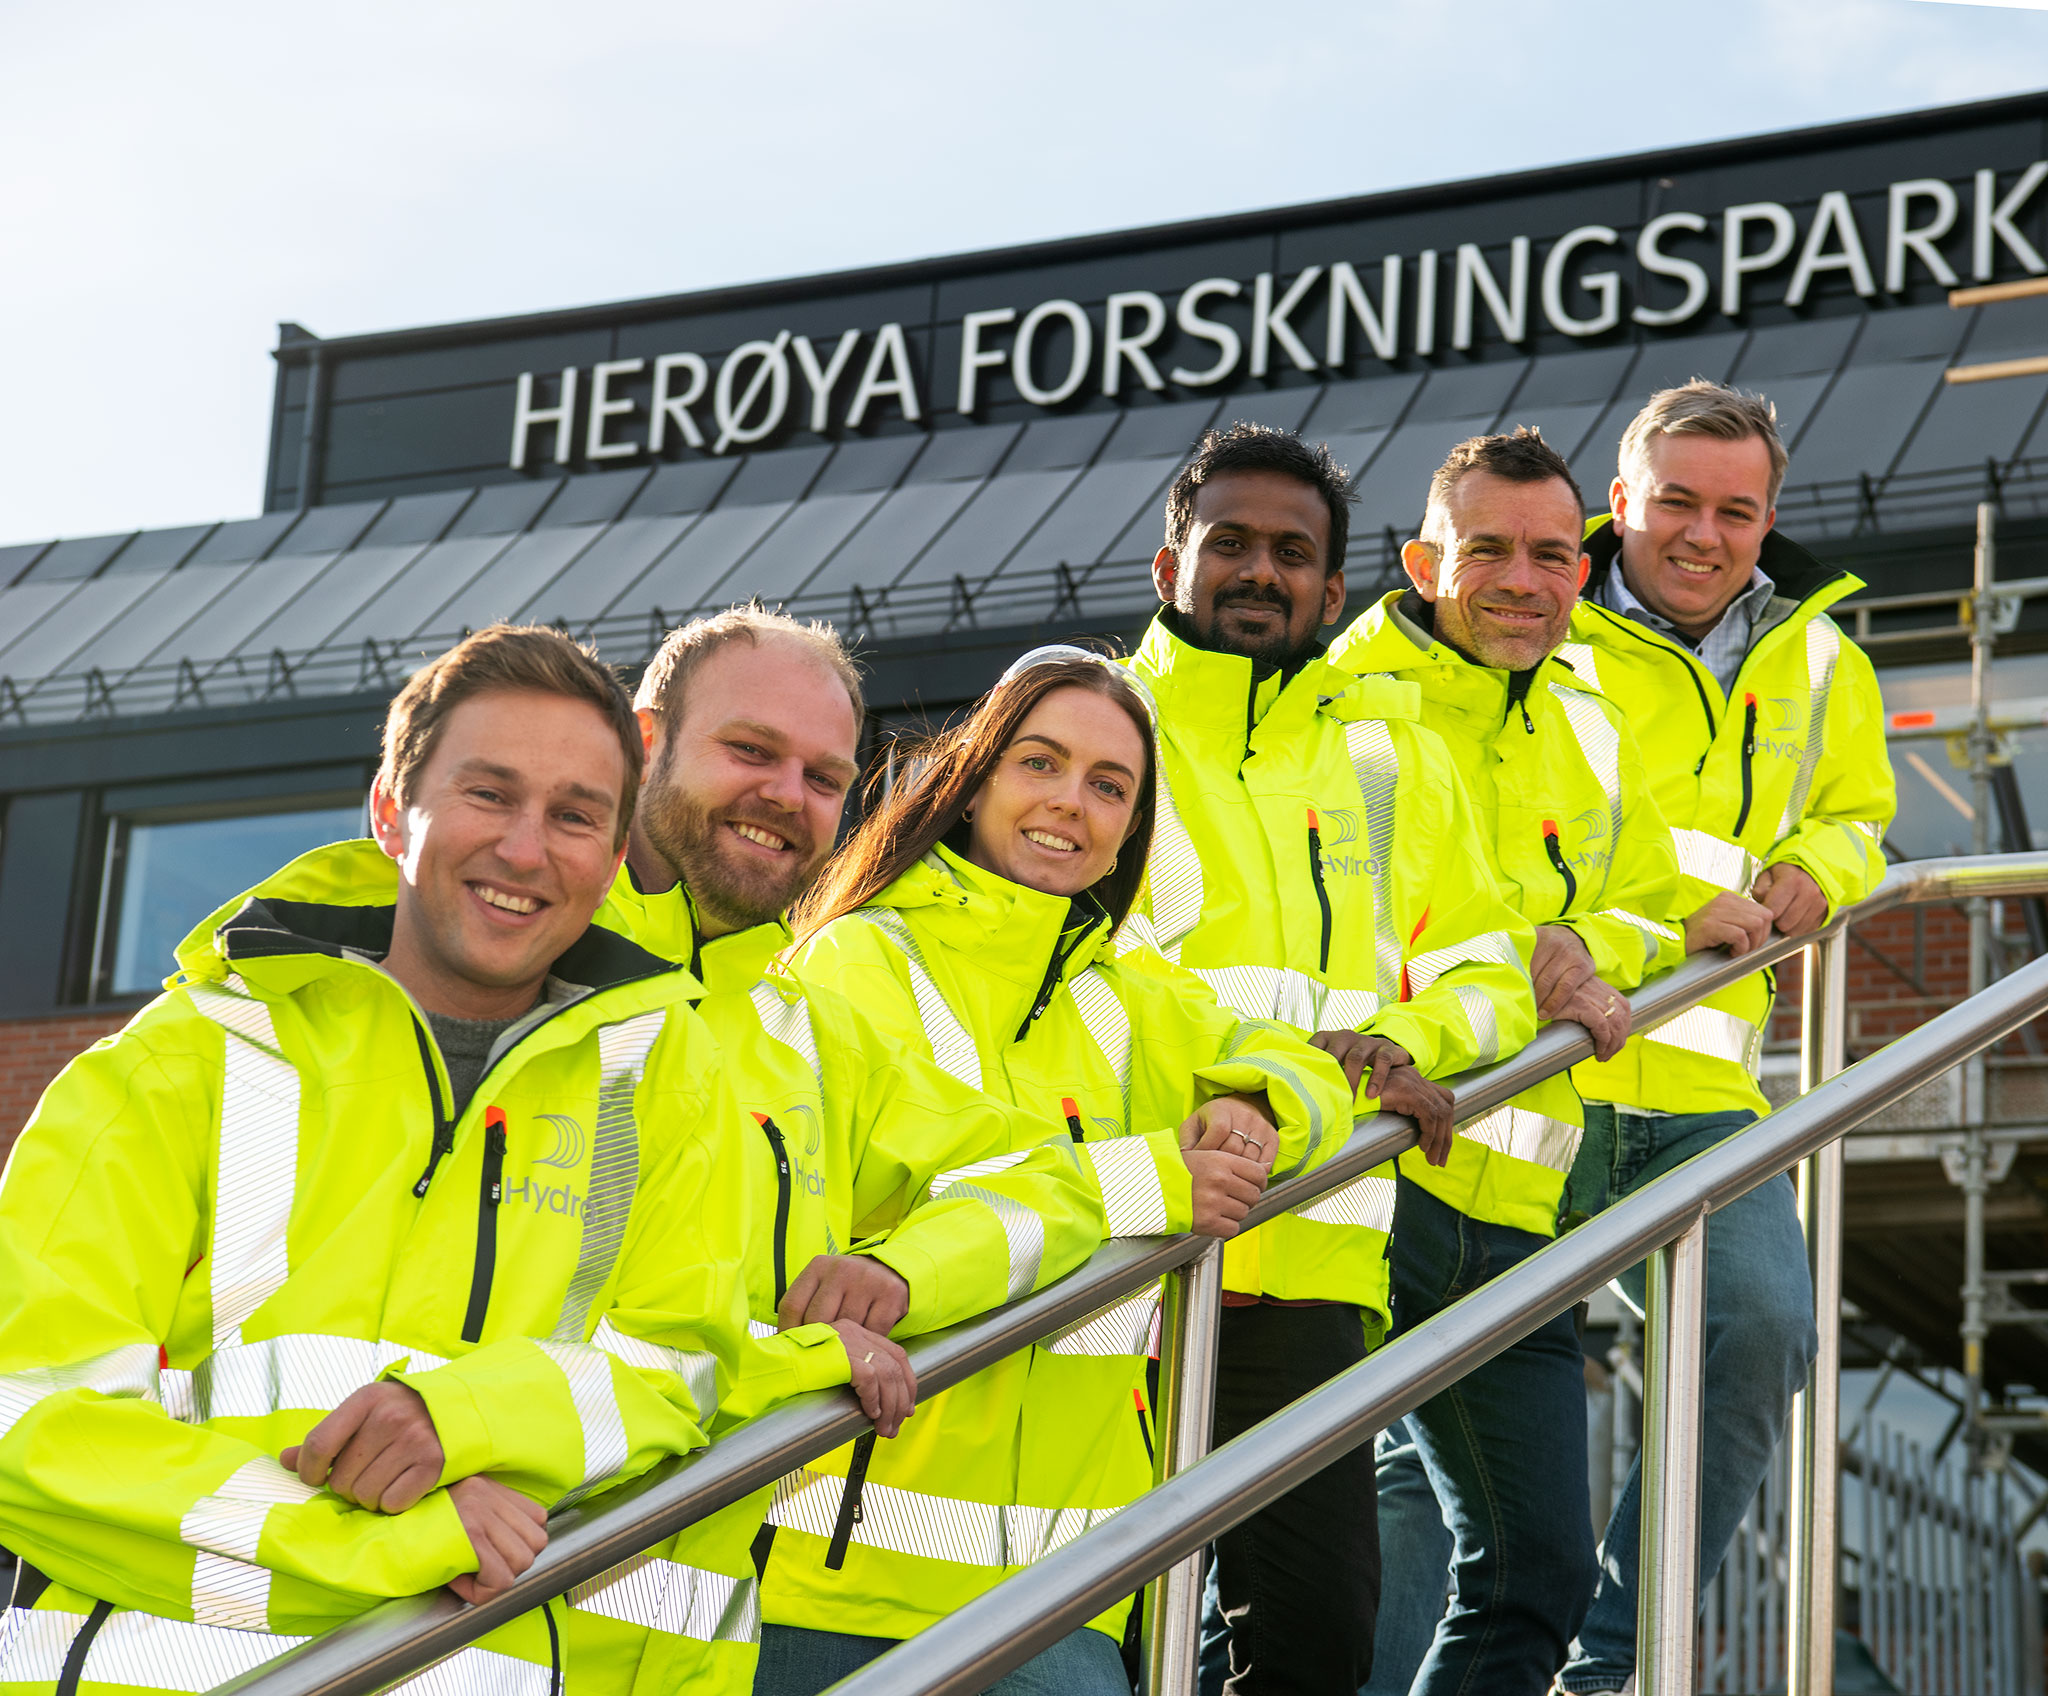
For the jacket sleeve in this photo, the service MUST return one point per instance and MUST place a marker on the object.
(1636, 932)
(1189, 1048)
(663, 1339)
(1466, 999)
(1839, 838)
(103, 1209)
(975, 1202)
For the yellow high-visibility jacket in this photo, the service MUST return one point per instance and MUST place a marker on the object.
(1316, 861)
(1022, 994)
(254, 1200)
(1787, 766)
(1557, 784)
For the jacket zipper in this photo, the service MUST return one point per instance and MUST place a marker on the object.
(1550, 847)
(779, 1147)
(444, 1123)
(1691, 670)
(1748, 754)
(1315, 872)
(1072, 1110)
(491, 1193)
(1062, 952)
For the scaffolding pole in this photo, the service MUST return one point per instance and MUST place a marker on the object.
(1982, 744)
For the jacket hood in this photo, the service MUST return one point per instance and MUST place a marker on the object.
(339, 902)
(1197, 688)
(1006, 927)
(1798, 575)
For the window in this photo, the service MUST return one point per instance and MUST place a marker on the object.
(166, 870)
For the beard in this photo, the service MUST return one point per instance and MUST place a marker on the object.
(694, 839)
(1275, 647)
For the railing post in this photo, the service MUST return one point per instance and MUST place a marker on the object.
(1187, 1396)
(1816, 1417)
(1667, 1618)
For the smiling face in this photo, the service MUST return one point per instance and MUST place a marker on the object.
(742, 797)
(505, 848)
(1501, 563)
(1251, 578)
(1059, 803)
(1692, 518)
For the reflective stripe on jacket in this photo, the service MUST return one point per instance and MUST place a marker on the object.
(253, 1201)
(1789, 766)
(1315, 861)
(1024, 995)
(1557, 785)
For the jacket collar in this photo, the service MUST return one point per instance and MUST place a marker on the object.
(728, 964)
(1396, 634)
(1009, 931)
(337, 905)
(1200, 692)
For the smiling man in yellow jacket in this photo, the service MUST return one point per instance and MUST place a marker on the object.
(1316, 861)
(1573, 829)
(408, 1213)
(896, 1196)
(1769, 765)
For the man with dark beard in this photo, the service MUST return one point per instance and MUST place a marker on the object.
(1315, 861)
(752, 723)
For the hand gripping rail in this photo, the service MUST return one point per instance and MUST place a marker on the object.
(973, 1647)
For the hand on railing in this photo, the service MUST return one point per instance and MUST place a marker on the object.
(507, 1530)
(1567, 987)
(1794, 899)
(1729, 921)
(1391, 1080)
(1228, 1145)
(846, 1286)
(883, 1378)
(863, 1300)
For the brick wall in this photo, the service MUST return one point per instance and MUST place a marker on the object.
(32, 1052)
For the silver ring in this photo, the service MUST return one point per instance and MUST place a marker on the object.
(870, 1355)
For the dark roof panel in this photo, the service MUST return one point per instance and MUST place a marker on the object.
(417, 518)
(159, 550)
(244, 539)
(503, 508)
(80, 557)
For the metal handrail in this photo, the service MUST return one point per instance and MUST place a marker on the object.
(400, 1637)
(970, 1649)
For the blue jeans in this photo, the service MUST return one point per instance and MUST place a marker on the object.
(1759, 1344)
(799, 1662)
(1505, 1453)
(1415, 1560)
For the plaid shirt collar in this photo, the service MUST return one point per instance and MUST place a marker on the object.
(1722, 648)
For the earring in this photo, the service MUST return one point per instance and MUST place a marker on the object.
(1112, 867)
(967, 815)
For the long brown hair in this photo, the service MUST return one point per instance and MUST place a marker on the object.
(946, 772)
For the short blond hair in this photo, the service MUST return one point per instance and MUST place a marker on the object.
(666, 679)
(1702, 408)
(529, 657)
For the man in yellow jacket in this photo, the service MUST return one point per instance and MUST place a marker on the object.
(1769, 765)
(1316, 861)
(1566, 808)
(896, 1194)
(408, 1213)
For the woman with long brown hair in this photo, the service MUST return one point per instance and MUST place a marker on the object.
(973, 915)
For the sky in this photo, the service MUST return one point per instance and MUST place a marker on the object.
(176, 180)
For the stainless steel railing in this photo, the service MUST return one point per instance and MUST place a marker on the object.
(1204, 1496)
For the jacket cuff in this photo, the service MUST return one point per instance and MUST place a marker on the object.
(1147, 1190)
(905, 1257)
(458, 1421)
(1419, 1036)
